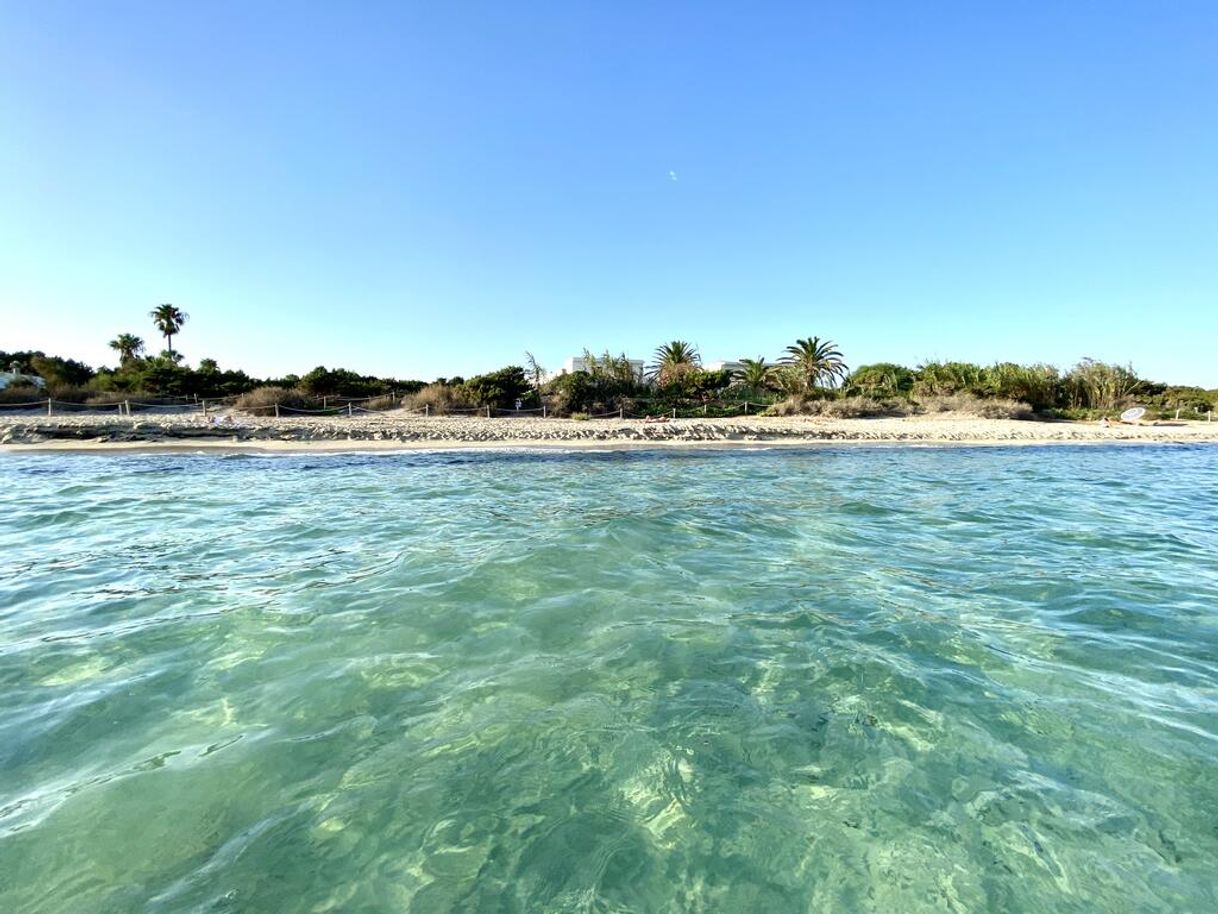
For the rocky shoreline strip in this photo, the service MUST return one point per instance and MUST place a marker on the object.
(385, 429)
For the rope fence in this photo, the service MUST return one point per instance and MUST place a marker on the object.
(539, 411)
(309, 412)
(124, 407)
(402, 411)
(189, 407)
(349, 407)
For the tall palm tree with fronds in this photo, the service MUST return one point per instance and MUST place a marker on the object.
(128, 346)
(816, 362)
(168, 319)
(672, 360)
(754, 373)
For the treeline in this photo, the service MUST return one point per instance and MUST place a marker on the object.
(810, 377)
(1089, 387)
(167, 376)
(675, 381)
(162, 377)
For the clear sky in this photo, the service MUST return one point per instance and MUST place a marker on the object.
(424, 189)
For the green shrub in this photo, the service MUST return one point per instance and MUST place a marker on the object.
(791, 406)
(693, 383)
(936, 379)
(384, 402)
(58, 372)
(1099, 385)
(108, 398)
(881, 380)
(840, 407)
(341, 382)
(438, 399)
(500, 388)
(22, 393)
(69, 393)
(1192, 402)
(859, 408)
(263, 400)
(971, 405)
(1037, 385)
(607, 382)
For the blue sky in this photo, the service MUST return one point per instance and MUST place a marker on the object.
(432, 189)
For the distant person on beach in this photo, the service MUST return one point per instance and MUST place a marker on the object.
(655, 419)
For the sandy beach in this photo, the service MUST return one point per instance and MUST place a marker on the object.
(384, 431)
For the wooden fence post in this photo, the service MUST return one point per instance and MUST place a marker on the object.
(48, 406)
(276, 410)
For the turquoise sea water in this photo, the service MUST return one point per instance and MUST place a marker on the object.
(888, 680)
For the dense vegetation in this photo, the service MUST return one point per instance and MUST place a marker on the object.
(811, 377)
(166, 376)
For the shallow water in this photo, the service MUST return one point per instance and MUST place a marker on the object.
(872, 679)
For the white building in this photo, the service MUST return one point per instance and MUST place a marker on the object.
(578, 363)
(15, 378)
(722, 365)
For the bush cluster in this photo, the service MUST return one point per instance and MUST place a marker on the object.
(812, 379)
(263, 400)
(166, 375)
(439, 399)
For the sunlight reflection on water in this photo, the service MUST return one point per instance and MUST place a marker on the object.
(783, 680)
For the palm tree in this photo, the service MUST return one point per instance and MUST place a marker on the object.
(817, 363)
(128, 346)
(168, 320)
(672, 360)
(754, 373)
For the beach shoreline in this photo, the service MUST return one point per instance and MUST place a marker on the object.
(390, 432)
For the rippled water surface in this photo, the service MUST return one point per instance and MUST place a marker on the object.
(886, 680)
